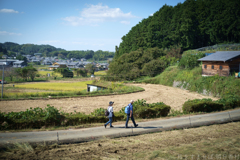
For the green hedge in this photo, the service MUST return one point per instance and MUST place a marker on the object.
(201, 105)
(50, 116)
(230, 101)
(145, 110)
(31, 118)
(208, 105)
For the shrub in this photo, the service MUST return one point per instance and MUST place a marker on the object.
(201, 105)
(145, 110)
(33, 118)
(230, 101)
(190, 60)
(98, 112)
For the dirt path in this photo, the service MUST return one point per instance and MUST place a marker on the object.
(153, 93)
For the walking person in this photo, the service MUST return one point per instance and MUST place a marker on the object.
(110, 116)
(130, 115)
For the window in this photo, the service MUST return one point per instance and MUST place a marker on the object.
(220, 67)
(212, 66)
(205, 66)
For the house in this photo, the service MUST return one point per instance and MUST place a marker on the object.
(73, 59)
(80, 65)
(73, 65)
(102, 66)
(92, 88)
(58, 65)
(7, 62)
(46, 62)
(223, 63)
(37, 54)
(4, 56)
(27, 56)
(83, 59)
(19, 64)
(52, 67)
(37, 62)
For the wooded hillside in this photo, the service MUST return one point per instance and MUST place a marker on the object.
(50, 51)
(192, 24)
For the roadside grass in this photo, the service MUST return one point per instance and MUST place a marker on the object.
(220, 141)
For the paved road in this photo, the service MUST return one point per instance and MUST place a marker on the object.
(89, 134)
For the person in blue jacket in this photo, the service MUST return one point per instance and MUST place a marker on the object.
(130, 115)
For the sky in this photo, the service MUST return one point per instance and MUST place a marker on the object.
(74, 24)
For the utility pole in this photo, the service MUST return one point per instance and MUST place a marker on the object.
(2, 80)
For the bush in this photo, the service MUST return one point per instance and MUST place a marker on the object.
(201, 105)
(230, 101)
(190, 60)
(145, 110)
(32, 118)
(98, 112)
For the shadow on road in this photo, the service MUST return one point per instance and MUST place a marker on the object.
(146, 127)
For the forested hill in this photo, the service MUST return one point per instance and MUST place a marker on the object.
(28, 48)
(11, 49)
(192, 24)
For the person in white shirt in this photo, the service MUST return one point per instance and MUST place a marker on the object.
(110, 116)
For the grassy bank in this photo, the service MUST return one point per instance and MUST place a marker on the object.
(193, 80)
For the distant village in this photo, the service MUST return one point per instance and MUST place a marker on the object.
(52, 62)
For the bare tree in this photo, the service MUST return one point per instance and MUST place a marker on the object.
(10, 72)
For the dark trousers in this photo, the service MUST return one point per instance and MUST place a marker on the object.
(128, 115)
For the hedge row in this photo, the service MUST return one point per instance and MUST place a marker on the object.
(208, 105)
(50, 116)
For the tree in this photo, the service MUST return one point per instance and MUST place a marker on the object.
(65, 72)
(90, 68)
(192, 24)
(154, 67)
(31, 72)
(83, 72)
(10, 72)
(27, 72)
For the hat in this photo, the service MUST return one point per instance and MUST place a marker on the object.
(131, 101)
(111, 102)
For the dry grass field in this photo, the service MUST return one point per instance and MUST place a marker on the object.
(171, 96)
(208, 142)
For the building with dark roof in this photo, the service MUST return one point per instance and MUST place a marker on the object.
(222, 63)
(73, 65)
(19, 64)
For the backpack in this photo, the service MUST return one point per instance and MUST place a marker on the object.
(106, 112)
(127, 109)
